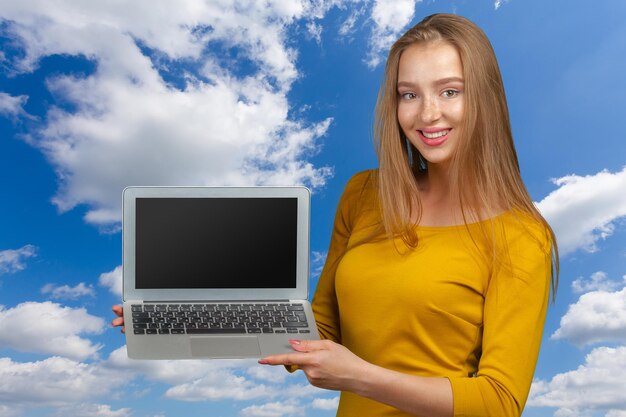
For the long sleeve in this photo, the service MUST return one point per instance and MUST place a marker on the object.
(514, 314)
(325, 306)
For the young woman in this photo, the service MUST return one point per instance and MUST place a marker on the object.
(434, 293)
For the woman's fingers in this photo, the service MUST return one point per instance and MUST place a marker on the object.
(300, 358)
(117, 309)
(119, 321)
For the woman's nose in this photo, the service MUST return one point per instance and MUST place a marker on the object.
(430, 110)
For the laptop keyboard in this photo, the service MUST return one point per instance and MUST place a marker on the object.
(148, 319)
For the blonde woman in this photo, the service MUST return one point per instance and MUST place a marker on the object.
(434, 294)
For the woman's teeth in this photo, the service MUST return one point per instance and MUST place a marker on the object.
(436, 134)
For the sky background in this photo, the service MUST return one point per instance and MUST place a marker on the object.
(95, 96)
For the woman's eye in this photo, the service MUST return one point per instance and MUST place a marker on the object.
(450, 93)
(407, 96)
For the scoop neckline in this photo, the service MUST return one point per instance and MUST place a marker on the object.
(463, 225)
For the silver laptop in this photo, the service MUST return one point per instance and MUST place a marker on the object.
(215, 272)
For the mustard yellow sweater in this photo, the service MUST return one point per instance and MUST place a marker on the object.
(445, 309)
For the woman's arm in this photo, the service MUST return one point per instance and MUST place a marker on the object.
(332, 366)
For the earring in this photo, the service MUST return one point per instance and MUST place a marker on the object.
(423, 163)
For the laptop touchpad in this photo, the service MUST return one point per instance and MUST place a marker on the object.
(226, 347)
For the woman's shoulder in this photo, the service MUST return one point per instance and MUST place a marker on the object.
(362, 179)
(523, 228)
(360, 185)
(359, 195)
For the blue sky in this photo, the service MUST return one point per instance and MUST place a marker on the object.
(95, 96)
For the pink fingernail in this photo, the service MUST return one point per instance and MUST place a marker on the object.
(263, 362)
(294, 342)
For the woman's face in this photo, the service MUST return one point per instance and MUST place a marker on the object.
(430, 99)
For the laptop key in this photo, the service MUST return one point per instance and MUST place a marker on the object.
(215, 331)
(290, 324)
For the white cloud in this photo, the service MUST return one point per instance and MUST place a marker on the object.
(132, 127)
(201, 380)
(198, 380)
(273, 374)
(347, 27)
(616, 413)
(67, 292)
(12, 106)
(55, 382)
(598, 281)
(220, 385)
(49, 328)
(597, 316)
(93, 410)
(498, 3)
(326, 403)
(12, 260)
(6, 411)
(315, 31)
(597, 385)
(113, 280)
(318, 259)
(274, 409)
(582, 210)
(390, 20)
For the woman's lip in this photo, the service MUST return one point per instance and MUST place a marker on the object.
(436, 141)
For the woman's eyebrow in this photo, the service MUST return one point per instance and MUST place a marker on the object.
(448, 80)
(441, 81)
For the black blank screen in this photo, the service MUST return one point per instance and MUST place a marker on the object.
(215, 243)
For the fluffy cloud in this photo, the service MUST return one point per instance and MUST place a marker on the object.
(12, 106)
(201, 380)
(12, 260)
(67, 292)
(93, 410)
(55, 382)
(132, 125)
(390, 19)
(112, 280)
(318, 259)
(198, 380)
(326, 403)
(49, 328)
(275, 409)
(598, 281)
(597, 316)
(220, 385)
(498, 3)
(583, 210)
(597, 385)
(273, 374)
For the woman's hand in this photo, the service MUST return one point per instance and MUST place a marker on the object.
(119, 321)
(326, 364)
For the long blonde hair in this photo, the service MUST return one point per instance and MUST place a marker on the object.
(484, 170)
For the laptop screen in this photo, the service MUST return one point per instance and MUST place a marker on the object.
(216, 243)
